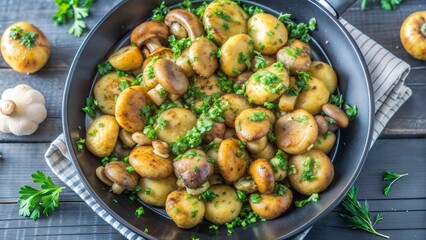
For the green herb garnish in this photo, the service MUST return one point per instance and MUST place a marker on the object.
(313, 198)
(393, 177)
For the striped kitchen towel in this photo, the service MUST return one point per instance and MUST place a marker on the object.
(388, 74)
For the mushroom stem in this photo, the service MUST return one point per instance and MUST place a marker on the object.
(157, 95)
(100, 173)
(199, 190)
(177, 30)
(117, 189)
(257, 146)
(153, 44)
(7, 107)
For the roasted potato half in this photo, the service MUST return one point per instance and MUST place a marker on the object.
(102, 135)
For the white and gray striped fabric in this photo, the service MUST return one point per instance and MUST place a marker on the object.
(388, 74)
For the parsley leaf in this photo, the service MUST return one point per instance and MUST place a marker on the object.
(34, 202)
(359, 216)
(257, 116)
(313, 198)
(298, 31)
(388, 176)
(160, 12)
(90, 107)
(68, 10)
(178, 46)
(25, 38)
(104, 67)
(352, 112)
(208, 196)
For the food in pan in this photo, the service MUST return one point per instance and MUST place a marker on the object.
(215, 113)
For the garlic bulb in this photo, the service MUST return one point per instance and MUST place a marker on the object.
(22, 109)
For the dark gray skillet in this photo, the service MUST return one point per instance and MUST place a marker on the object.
(332, 43)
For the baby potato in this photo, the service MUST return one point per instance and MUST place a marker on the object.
(231, 21)
(225, 207)
(325, 73)
(155, 192)
(148, 164)
(128, 106)
(236, 55)
(232, 160)
(268, 33)
(296, 43)
(268, 84)
(102, 135)
(21, 57)
(314, 172)
(272, 206)
(296, 131)
(184, 209)
(234, 105)
(107, 90)
(294, 58)
(263, 175)
(325, 142)
(312, 99)
(287, 102)
(178, 122)
(209, 85)
(126, 59)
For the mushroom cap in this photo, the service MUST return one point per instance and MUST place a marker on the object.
(171, 77)
(116, 171)
(194, 168)
(250, 130)
(148, 30)
(187, 20)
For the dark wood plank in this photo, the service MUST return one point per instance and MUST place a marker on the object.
(18, 163)
(50, 82)
(383, 26)
(70, 221)
(63, 45)
(333, 233)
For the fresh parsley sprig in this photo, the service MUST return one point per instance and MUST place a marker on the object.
(359, 215)
(388, 176)
(73, 10)
(25, 38)
(34, 202)
(387, 5)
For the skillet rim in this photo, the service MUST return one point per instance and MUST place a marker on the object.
(301, 227)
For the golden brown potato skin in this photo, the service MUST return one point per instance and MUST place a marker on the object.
(179, 121)
(296, 131)
(235, 49)
(232, 160)
(325, 142)
(107, 90)
(184, 209)
(324, 172)
(325, 73)
(224, 208)
(312, 99)
(159, 190)
(272, 206)
(18, 56)
(412, 39)
(127, 108)
(234, 105)
(126, 59)
(297, 61)
(148, 164)
(263, 176)
(268, 33)
(102, 135)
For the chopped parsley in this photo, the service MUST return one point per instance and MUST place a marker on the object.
(313, 198)
(302, 119)
(148, 191)
(352, 112)
(260, 61)
(279, 162)
(104, 67)
(130, 169)
(336, 99)
(80, 144)
(298, 31)
(194, 213)
(270, 81)
(160, 12)
(294, 53)
(308, 172)
(139, 212)
(24, 38)
(123, 85)
(178, 45)
(255, 198)
(90, 107)
(257, 116)
(223, 15)
(279, 189)
(242, 196)
(208, 196)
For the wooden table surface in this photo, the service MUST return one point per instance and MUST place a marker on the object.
(401, 147)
